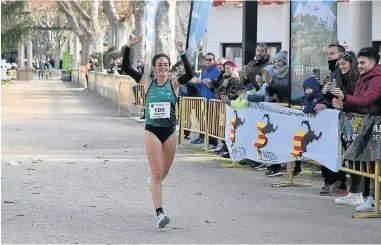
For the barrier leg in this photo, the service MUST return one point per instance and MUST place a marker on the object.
(181, 119)
(290, 182)
(376, 213)
(234, 164)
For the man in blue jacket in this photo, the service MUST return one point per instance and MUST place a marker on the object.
(208, 76)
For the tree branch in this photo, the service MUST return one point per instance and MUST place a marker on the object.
(110, 11)
(70, 17)
(77, 8)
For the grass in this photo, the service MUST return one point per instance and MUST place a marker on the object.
(4, 82)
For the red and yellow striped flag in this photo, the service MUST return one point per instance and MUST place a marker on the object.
(298, 136)
(232, 132)
(261, 137)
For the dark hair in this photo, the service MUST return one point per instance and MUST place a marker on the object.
(370, 53)
(262, 45)
(353, 72)
(339, 47)
(179, 63)
(158, 56)
(211, 54)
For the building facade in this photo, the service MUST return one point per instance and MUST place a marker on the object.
(224, 32)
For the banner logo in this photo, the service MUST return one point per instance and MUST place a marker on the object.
(302, 139)
(263, 129)
(235, 123)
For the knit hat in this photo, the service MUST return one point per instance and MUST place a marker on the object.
(270, 69)
(282, 55)
(231, 63)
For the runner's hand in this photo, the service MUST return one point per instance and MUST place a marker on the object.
(179, 46)
(134, 40)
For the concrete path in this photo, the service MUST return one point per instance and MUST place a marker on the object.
(74, 172)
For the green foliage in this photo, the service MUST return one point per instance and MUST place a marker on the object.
(15, 24)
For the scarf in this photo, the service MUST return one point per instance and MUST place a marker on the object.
(282, 72)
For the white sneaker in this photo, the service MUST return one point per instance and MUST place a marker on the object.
(211, 148)
(352, 199)
(367, 206)
(162, 220)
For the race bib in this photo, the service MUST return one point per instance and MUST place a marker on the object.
(160, 110)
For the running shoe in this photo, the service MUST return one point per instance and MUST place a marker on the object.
(162, 220)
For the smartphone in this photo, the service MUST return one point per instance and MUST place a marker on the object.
(316, 74)
(333, 84)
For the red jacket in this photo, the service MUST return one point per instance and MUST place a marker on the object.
(366, 98)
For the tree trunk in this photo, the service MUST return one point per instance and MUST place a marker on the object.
(182, 19)
(121, 37)
(139, 7)
(165, 29)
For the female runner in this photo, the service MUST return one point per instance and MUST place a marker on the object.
(160, 137)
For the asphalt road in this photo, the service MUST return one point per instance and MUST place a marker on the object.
(74, 172)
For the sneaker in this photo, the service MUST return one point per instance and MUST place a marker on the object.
(221, 151)
(367, 206)
(351, 199)
(254, 165)
(297, 174)
(143, 117)
(197, 141)
(226, 155)
(211, 148)
(333, 190)
(162, 220)
(186, 137)
(263, 166)
(272, 173)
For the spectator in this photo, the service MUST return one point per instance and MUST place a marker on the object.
(312, 95)
(278, 85)
(277, 90)
(231, 80)
(366, 99)
(87, 68)
(334, 183)
(41, 66)
(140, 66)
(204, 86)
(217, 83)
(252, 72)
(229, 90)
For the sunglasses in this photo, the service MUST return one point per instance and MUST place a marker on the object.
(345, 56)
(208, 60)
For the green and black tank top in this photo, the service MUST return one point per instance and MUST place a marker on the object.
(161, 105)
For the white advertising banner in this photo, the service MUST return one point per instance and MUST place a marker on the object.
(272, 134)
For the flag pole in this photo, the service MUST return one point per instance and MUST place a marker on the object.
(189, 24)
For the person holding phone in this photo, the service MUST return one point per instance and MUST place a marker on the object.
(344, 75)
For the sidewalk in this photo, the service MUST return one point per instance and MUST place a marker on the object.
(74, 172)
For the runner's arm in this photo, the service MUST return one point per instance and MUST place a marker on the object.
(183, 79)
(126, 66)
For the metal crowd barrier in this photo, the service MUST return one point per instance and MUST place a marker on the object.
(194, 114)
(193, 117)
(128, 97)
(133, 94)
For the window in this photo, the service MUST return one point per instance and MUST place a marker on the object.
(377, 46)
(233, 52)
(273, 48)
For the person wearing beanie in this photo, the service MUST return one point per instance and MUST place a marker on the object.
(278, 85)
(312, 95)
(261, 95)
